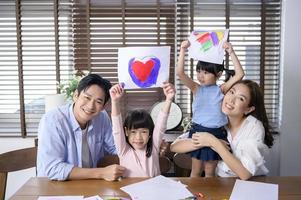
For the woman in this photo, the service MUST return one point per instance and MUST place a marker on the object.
(248, 134)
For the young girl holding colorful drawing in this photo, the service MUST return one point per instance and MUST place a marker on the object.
(138, 139)
(206, 107)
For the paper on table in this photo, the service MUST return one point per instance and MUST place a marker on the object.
(250, 190)
(61, 198)
(158, 187)
(93, 198)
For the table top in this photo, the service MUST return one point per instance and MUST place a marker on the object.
(215, 188)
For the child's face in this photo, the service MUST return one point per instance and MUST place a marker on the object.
(138, 138)
(206, 78)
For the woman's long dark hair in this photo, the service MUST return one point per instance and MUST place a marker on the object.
(140, 119)
(257, 101)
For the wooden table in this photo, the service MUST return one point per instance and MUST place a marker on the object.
(215, 188)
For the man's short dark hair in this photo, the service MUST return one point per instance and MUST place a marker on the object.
(95, 79)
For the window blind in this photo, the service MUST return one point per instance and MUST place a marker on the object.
(254, 33)
(101, 27)
(35, 54)
(43, 42)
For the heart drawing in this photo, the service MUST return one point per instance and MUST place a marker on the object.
(144, 72)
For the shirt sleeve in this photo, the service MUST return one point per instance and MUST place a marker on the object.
(159, 130)
(109, 141)
(252, 155)
(51, 150)
(118, 134)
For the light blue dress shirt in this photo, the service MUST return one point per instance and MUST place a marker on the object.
(207, 107)
(60, 142)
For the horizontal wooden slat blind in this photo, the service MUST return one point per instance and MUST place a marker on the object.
(9, 92)
(40, 31)
(122, 24)
(254, 33)
(42, 42)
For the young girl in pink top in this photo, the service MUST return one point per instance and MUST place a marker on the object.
(138, 139)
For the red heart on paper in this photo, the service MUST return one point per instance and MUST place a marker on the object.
(142, 70)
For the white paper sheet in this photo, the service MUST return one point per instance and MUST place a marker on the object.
(250, 190)
(61, 198)
(93, 198)
(206, 45)
(143, 67)
(159, 187)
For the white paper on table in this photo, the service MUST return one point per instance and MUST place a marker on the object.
(207, 45)
(143, 67)
(250, 190)
(158, 187)
(61, 198)
(93, 198)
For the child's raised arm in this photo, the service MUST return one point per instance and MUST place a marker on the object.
(180, 68)
(116, 92)
(169, 92)
(239, 72)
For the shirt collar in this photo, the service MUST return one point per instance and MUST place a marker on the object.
(75, 125)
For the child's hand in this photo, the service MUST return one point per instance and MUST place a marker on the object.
(169, 91)
(228, 47)
(185, 44)
(116, 92)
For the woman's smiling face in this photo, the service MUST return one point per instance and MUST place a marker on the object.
(236, 101)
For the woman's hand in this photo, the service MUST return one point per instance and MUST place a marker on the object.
(203, 139)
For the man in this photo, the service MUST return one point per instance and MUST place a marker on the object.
(74, 137)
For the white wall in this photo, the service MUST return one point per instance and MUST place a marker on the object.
(16, 179)
(290, 129)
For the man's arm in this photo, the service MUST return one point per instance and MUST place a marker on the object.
(109, 173)
(51, 150)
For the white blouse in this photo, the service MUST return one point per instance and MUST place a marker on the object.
(248, 146)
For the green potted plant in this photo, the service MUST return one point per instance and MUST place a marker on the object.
(68, 87)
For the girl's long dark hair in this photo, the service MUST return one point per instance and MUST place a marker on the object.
(257, 100)
(140, 119)
(215, 69)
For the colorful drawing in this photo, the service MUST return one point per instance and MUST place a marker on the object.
(208, 39)
(207, 45)
(144, 72)
(143, 67)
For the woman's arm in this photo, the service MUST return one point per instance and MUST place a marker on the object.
(183, 146)
(206, 139)
(109, 173)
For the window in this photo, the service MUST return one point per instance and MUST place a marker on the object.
(101, 27)
(35, 53)
(43, 42)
